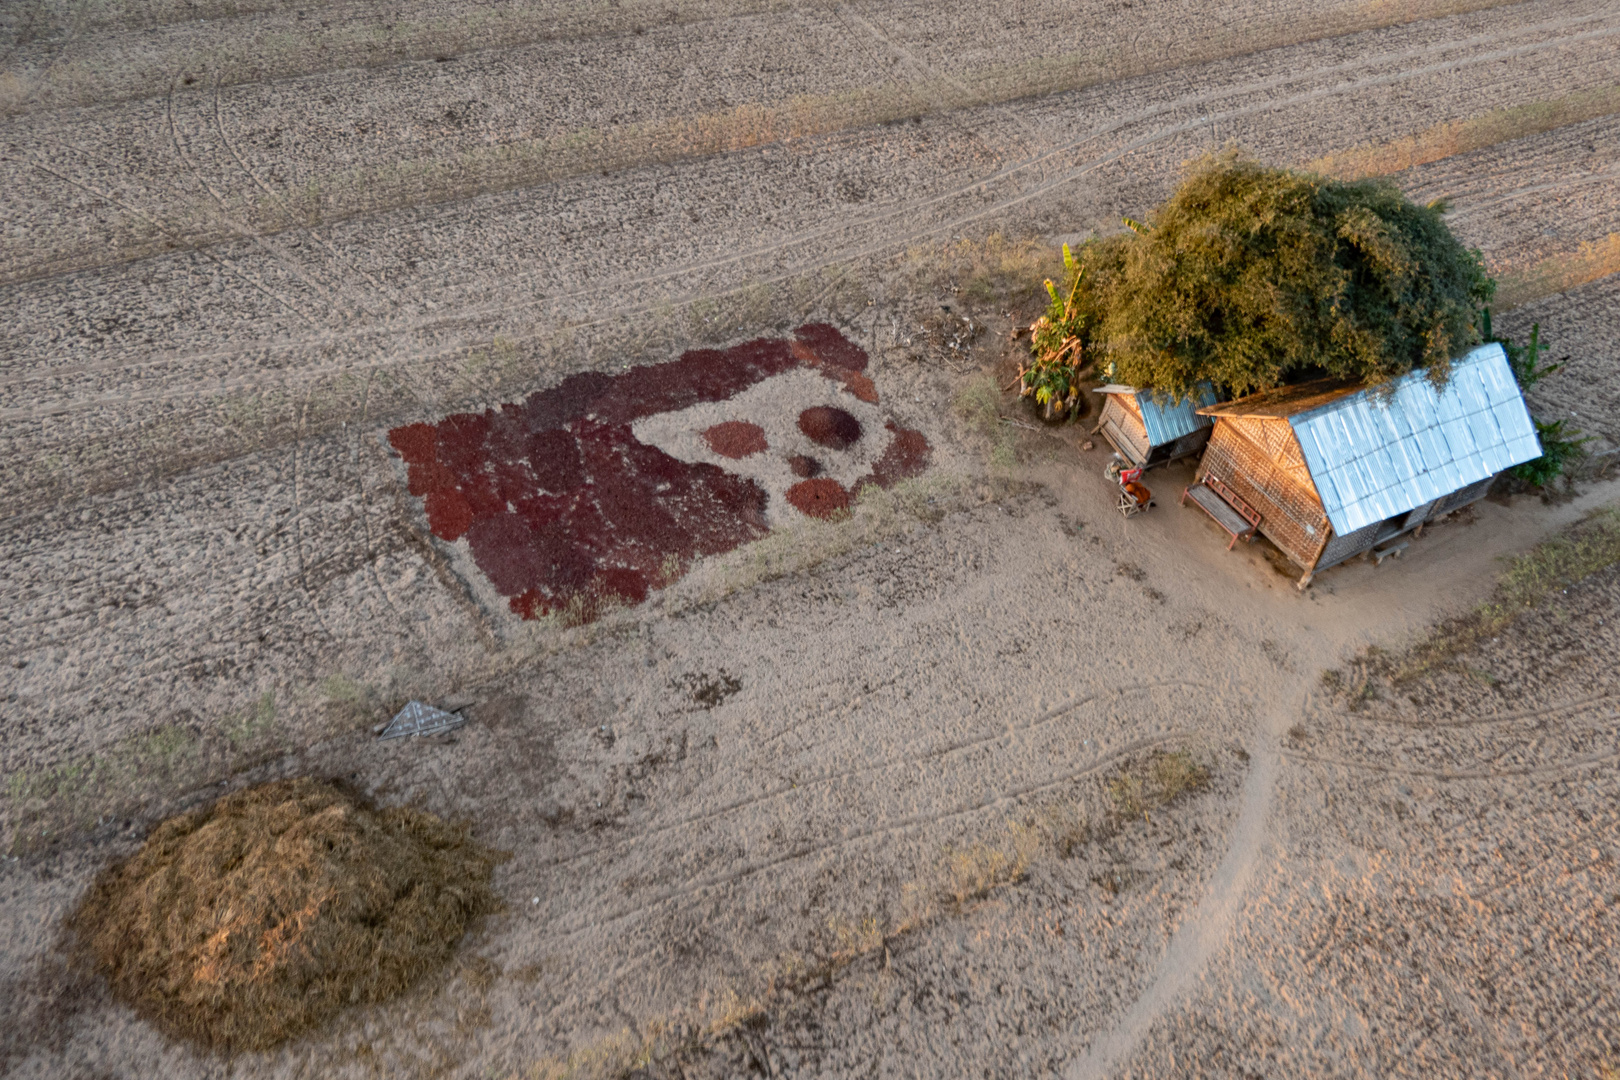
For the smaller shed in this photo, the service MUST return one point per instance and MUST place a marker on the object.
(1327, 470)
(1148, 432)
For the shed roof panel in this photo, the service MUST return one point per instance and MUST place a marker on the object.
(1375, 454)
(1167, 422)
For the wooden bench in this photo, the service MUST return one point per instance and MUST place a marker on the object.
(1227, 508)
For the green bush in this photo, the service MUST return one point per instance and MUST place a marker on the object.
(1560, 449)
(1251, 277)
(1562, 445)
(1525, 360)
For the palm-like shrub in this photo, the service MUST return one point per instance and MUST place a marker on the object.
(1052, 375)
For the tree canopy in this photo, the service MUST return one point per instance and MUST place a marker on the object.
(1251, 277)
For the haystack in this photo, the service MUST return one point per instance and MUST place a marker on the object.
(261, 916)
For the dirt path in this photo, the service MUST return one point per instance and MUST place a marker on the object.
(1176, 1016)
(1202, 936)
(1256, 845)
(1456, 822)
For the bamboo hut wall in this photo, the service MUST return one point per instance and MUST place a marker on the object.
(1260, 460)
(1120, 420)
(1461, 498)
(1341, 548)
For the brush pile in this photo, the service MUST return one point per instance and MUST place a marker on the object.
(261, 916)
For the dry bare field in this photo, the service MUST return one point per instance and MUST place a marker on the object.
(983, 779)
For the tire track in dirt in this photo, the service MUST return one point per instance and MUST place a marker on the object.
(1557, 768)
(615, 26)
(224, 263)
(238, 228)
(905, 759)
(963, 809)
(1566, 709)
(394, 294)
(848, 13)
(1539, 872)
(1475, 208)
(891, 239)
(1293, 100)
(1466, 1008)
(1273, 82)
(397, 300)
(298, 541)
(864, 226)
(335, 298)
(270, 611)
(1323, 21)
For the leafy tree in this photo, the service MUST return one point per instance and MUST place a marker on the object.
(1251, 277)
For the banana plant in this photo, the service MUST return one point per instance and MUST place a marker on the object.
(1052, 376)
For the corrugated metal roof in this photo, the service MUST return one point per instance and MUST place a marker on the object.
(1373, 456)
(1165, 423)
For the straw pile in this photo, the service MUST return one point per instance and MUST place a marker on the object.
(261, 916)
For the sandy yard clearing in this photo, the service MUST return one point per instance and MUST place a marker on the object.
(979, 779)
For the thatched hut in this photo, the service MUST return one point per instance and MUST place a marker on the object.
(1148, 432)
(1327, 470)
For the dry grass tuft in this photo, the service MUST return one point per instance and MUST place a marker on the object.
(998, 270)
(40, 804)
(1591, 546)
(978, 405)
(1175, 774)
(1559, 273)
(972, 872)
(614, 1056)
(1560, 562)
(1464, 136)
(1168, 775)
(855, 937)
(265, 914)
(713, 1016)
(1126, 792)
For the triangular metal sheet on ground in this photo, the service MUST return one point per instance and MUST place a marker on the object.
(417, 718)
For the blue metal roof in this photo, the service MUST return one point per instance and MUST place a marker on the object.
(1166, 423)
(1373, 457)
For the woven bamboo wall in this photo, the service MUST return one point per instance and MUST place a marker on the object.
(1260, 460)
(1346, 547)
(1126, 424)
(1461, 498)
